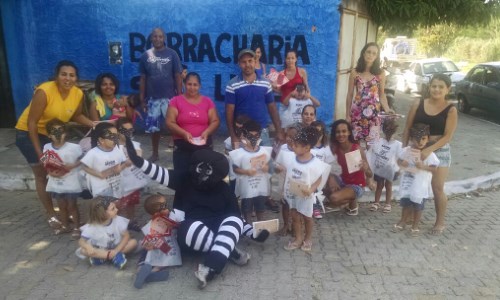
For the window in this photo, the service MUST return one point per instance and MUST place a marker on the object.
(490, 77)
(476, 75)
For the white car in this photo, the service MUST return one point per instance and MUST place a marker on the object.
(420, 72)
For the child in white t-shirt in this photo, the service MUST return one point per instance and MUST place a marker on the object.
(382, 157)
(322, 152)
(251, 165)
(291, 132)
(238, 127)
(295, 103)
(105, 237)
(103, 163)
(415, 182)
(160, 245)
(305, 174)
(64, 184)
(132, 178)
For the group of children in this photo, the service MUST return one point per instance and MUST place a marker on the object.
(302, 166)
(115, 185)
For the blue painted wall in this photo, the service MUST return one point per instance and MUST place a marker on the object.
(207, 35)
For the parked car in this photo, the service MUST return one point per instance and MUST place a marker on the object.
(480, 88)
(420, 72)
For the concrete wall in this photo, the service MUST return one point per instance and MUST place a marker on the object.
(206, 34)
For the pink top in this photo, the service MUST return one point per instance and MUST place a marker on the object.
(192, 117)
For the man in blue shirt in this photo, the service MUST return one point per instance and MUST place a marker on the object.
(251, 95)
(161, 80)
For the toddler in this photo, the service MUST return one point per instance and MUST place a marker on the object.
(160, 242)
(415, 182)
(103, 163)
(251, 165)
(295, 102)
(105, 237)
(305, 174)
(383, 162)
(64, 184)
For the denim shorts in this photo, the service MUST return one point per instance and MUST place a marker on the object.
(24, 144)
(157, 111)
(444, 156)
(358, 190)
(255, 203)
(406, 202)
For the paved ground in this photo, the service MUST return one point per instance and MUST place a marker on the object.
(352, 258)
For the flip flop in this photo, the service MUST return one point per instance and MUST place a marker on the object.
(387, 208)
(291, 246)
(54, 223)
(397, 228)
(306, 246)
(435, 231)
(375, 206)
(415, 232)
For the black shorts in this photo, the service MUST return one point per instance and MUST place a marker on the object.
(255, 203)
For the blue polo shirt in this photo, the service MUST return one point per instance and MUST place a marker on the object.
(250, 99)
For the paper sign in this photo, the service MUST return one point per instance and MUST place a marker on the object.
(199, 141)
(353, 160)
(412, 156)
(271, 226)
(278, 78)
(374, 135)
(297, 187)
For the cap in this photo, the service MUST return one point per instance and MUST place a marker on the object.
(246, 51)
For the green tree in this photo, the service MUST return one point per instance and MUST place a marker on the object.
(404, 16)
(435, 40)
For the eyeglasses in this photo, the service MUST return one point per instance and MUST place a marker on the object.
(110, 136)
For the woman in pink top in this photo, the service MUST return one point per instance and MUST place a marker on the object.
(192, 119)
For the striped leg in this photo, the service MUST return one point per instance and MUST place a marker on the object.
(248, 232)
(218, 245)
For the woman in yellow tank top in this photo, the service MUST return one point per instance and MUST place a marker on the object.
(53, 99)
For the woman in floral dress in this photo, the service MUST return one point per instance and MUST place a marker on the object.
(368, 79)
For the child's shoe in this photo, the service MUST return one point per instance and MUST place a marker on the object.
(239, 257)
(204, 274)
(96, 261)
(119, 261)
(317, 214)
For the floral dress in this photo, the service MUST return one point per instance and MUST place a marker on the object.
(365, 106)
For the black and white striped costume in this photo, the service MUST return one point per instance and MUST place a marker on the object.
(213, 222)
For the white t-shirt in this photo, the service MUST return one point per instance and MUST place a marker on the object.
(69, 183)
(105, 236)
(100, 160)
(158, 258)
(293, 112)
(416, 185)
(302, 174)
(132, 178)
(383, 158)
(252, 186)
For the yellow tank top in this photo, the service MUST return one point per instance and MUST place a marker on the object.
(56, 107)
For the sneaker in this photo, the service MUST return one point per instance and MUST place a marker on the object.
(119, 261)
(317, 214)
(96, 261)
(239, 257)
(204, 274)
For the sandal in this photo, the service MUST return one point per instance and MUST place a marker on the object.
(375, 206)
(436, 231)
(352, 212)
(306, 246)
(75, 234)
(397, 228)
(54, 223)
(291, 246)
(61, 230)
(387, 208)
(415, 232)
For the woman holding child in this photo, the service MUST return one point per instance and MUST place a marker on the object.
(442, 118)
(60, 99)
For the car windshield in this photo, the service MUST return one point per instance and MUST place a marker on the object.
(439, 67)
